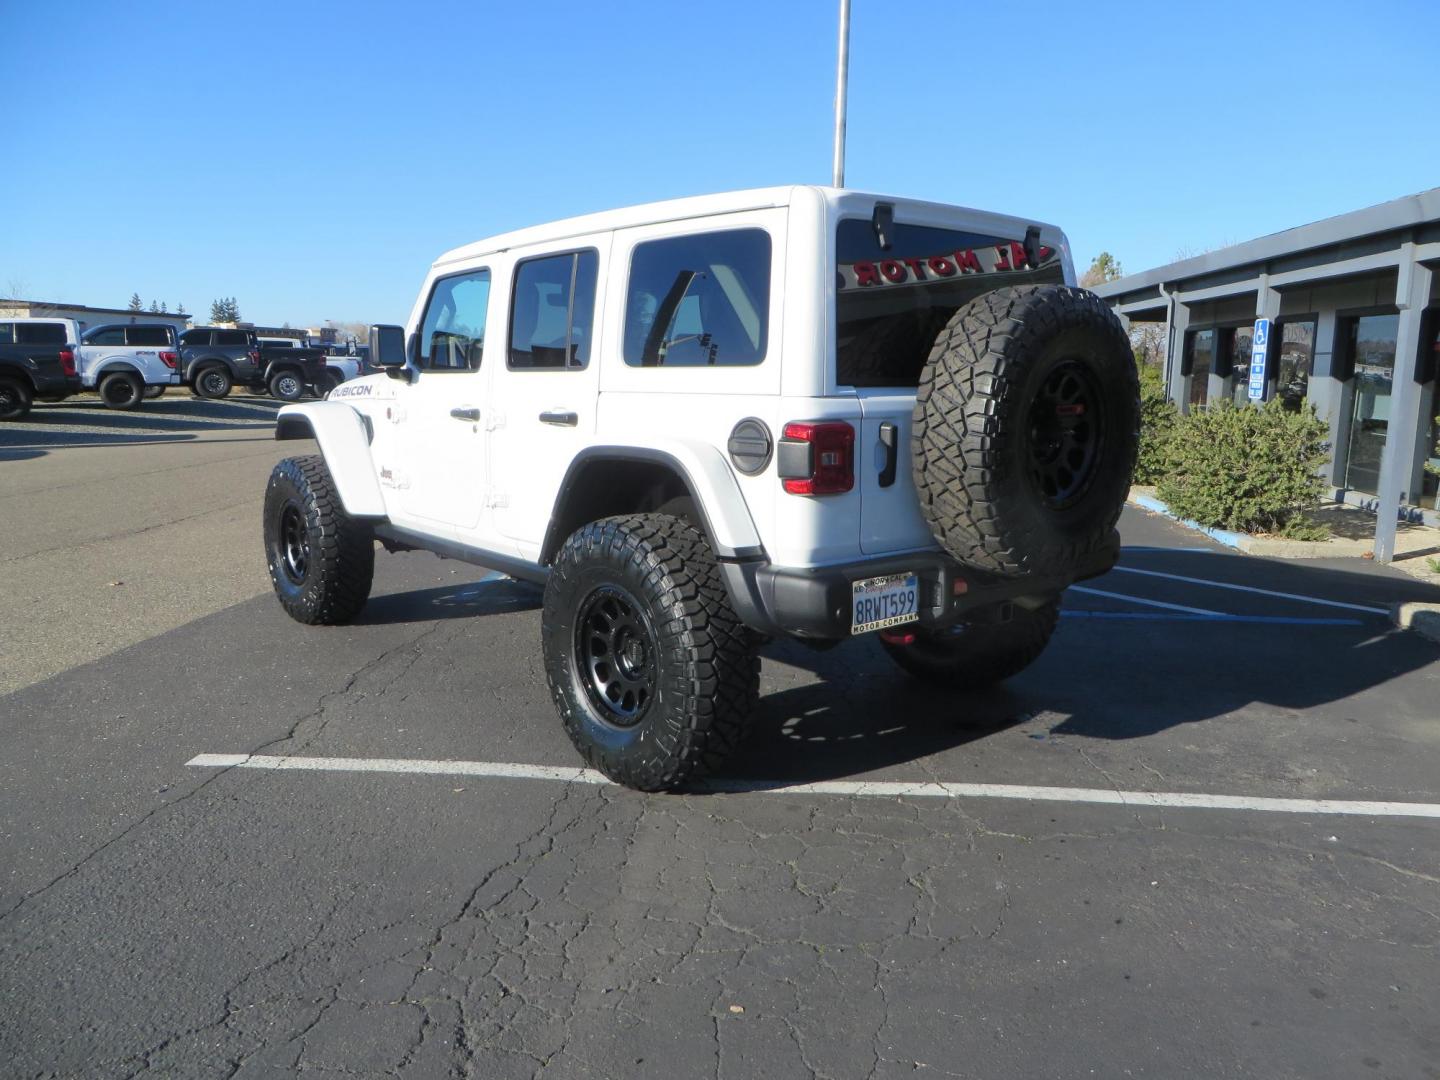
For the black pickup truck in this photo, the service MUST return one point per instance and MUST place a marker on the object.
(37, 360)
(214, 359)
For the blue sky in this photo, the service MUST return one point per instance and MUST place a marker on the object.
(311, 159)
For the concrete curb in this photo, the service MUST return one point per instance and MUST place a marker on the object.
(1424, 619)
(1238, 541)
(1274, 547)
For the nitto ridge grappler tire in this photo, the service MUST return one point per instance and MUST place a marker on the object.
(654, 675)
(1027, 422)
(970, 656)
(321, 560)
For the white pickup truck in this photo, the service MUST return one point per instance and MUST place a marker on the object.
(127, 362)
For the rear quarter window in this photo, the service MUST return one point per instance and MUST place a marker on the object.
(699, 301)
(109, 335)
(231, 337)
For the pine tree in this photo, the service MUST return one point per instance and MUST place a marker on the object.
(217, 311)
(180, 310)
(136, 304)
(154, 307)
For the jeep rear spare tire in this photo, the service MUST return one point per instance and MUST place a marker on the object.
(1026, 427)
(654, 675)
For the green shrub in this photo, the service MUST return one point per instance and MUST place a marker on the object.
(1158, 415)
(1250, 469)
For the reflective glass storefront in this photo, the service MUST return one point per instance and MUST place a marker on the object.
(1294, 363)
(1202, 362)
(1239, 344)
(1372, 352)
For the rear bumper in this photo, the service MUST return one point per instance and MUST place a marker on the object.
(815, 603)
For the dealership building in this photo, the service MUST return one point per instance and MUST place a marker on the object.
(1344, 313)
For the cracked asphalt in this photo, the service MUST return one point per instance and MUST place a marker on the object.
(164, 920)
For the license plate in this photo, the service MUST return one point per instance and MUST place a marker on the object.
(879, 602)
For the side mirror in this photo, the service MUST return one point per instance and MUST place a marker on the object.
(387, 349)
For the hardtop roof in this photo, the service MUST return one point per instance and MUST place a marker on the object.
(654, 213)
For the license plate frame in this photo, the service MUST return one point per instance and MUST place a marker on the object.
(888, 600)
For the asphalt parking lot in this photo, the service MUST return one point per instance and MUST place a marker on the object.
(1142, 857)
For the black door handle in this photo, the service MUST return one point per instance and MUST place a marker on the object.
(469, 415)
(561, 417)
(889, 434)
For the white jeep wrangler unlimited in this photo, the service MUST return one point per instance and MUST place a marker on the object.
(801, 412)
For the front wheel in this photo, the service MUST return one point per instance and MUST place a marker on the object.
(970, 656)
(321, 560)
(654, 675)
(122, 390)
(286, 386)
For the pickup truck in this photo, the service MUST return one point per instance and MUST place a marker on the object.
(215, 359)
(127, 362)
(37, 360)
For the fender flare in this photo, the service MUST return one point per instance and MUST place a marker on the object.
(344, 439)
(700, 467)
(107, 367)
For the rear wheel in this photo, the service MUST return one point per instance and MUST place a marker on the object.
(153, 392)
(213, 382)
(326, 383)
(969, 656)
(14, 398)
(122, 390)
(321, 560)
(653, 674)
(286, 386)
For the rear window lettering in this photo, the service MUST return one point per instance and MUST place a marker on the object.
(891, 303)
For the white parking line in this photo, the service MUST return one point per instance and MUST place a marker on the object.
(1141, 600)
(1252, 589)
(887, 789)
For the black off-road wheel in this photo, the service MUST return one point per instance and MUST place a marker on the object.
(971, 656)
(15, 397)
(1026, 427)
(122, 390)
(321, 560)
(213, 382)
(654, 675)
(286, 386)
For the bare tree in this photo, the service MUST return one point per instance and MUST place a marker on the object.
(1105, 268)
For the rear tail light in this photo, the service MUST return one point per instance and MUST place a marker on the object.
(169, 359)
(67, 360)
(817, 458)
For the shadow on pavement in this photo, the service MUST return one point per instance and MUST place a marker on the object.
(492, 597)
(86, 423)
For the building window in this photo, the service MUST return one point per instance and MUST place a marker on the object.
(1372, 357)
(1201, 363)
(1239, 346)
(1295, 362)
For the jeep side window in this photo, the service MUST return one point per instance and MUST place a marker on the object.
(699, 300)
(452, 334)
(111, 335)
(553, 310)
